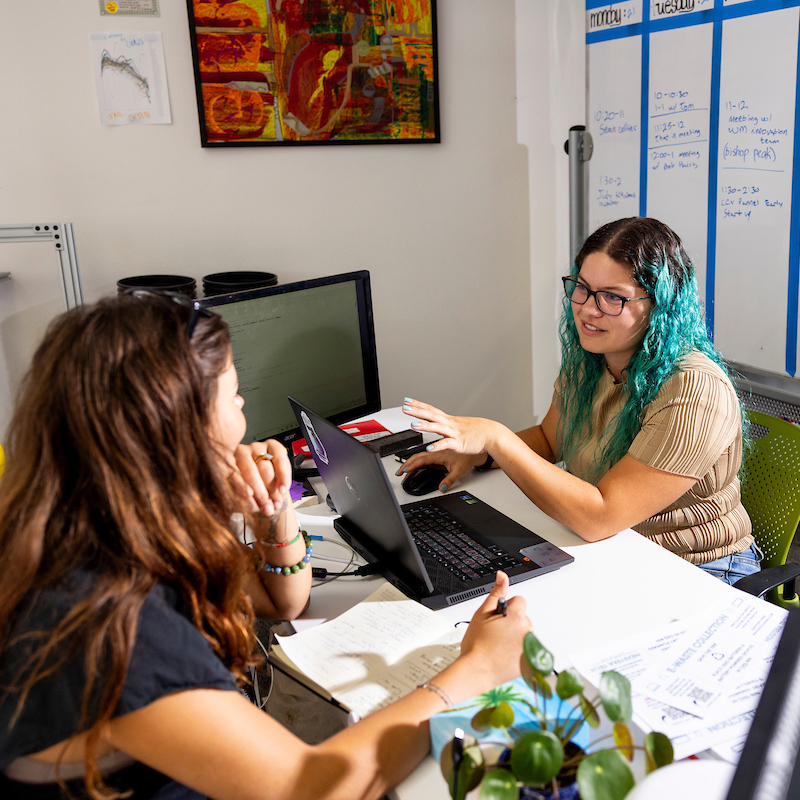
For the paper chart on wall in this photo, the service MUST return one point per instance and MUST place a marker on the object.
(708, 91)
(130, 77)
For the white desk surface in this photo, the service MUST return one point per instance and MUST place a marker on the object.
(614, 589)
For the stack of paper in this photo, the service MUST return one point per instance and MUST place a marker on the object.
(373, 654)
(697, 680)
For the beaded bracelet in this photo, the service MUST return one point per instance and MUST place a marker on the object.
(302, 564)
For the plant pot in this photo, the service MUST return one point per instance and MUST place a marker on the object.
(228, 282)
(568, 792)
(443, 724)
(159, 283)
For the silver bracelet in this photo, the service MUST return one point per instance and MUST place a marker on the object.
(432, 687)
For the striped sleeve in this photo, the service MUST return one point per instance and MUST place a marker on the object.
(693, 419)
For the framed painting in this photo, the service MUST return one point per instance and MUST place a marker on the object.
(310, 72)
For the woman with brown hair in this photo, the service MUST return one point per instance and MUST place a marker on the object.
(127, 603)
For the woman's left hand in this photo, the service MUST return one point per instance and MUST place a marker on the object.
(263, 482)
(468, 435)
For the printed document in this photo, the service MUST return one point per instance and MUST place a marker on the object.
(646, 658)
(720, 664)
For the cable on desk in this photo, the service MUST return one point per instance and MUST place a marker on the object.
(338, 543)
(271, 673)
(361, 572)
(330, 578)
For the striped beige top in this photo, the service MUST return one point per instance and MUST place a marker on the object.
(692, 428)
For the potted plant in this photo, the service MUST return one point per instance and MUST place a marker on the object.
(545, 763)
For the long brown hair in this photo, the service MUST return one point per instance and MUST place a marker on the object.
(110, 469)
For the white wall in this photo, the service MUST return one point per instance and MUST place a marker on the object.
(551, 87)
(458, 236)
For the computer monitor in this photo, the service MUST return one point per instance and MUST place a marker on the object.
(314, 340)
(768, 767)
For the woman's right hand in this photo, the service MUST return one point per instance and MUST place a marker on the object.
(263, 476)
(493, 642)
(457, 465)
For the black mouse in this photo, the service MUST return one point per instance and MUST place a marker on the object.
(424, 480)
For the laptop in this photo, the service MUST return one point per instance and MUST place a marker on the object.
(438, 551)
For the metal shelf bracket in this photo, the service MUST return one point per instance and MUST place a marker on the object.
(63, 238)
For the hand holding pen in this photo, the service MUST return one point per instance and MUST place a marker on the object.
(487, 635)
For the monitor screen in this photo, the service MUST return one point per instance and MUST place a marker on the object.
(314, 340)
(769, 768)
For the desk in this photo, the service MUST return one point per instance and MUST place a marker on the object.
(614, 588)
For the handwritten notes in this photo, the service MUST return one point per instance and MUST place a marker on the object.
(375, 653)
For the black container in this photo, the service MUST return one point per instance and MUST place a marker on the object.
(162, 283)
(227, 282)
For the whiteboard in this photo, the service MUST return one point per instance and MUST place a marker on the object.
(692, 108)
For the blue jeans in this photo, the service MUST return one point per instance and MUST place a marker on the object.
(731, 568)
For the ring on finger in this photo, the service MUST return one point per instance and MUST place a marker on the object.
(262, 457)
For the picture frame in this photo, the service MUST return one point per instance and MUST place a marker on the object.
(311, 72)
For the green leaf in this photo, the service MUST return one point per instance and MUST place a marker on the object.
(501, 716)
(589, 713)
(604, 776)
(624, 740)
(615, 695)
(537, 757)
(537, 655)
(470, 773)
(499, 784)
(658, 750)
(568, 683)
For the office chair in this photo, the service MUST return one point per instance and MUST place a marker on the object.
(771, 495)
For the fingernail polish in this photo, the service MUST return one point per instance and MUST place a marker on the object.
(407, 400)
(443, 488)
(429, 447)
(406, 408)
(415, 424)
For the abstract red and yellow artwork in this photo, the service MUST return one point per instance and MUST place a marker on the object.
(290, 72)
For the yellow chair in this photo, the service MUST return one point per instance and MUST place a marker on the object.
(2, 460)
(771, 495)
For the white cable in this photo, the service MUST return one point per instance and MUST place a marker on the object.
(336, 558)
(271, 673)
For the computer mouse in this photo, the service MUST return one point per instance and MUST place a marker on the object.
(424, 480)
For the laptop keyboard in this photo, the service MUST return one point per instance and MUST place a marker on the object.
(440, 536)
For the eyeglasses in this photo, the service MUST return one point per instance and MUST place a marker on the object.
(197, 310)
(607, 302)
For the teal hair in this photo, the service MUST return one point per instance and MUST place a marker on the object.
(677, 327)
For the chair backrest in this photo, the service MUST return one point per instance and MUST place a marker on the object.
(771, 485)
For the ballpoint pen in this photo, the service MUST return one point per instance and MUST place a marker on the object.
(502, 607)
(458, 757)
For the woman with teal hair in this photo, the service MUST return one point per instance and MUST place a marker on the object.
(644, 416)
